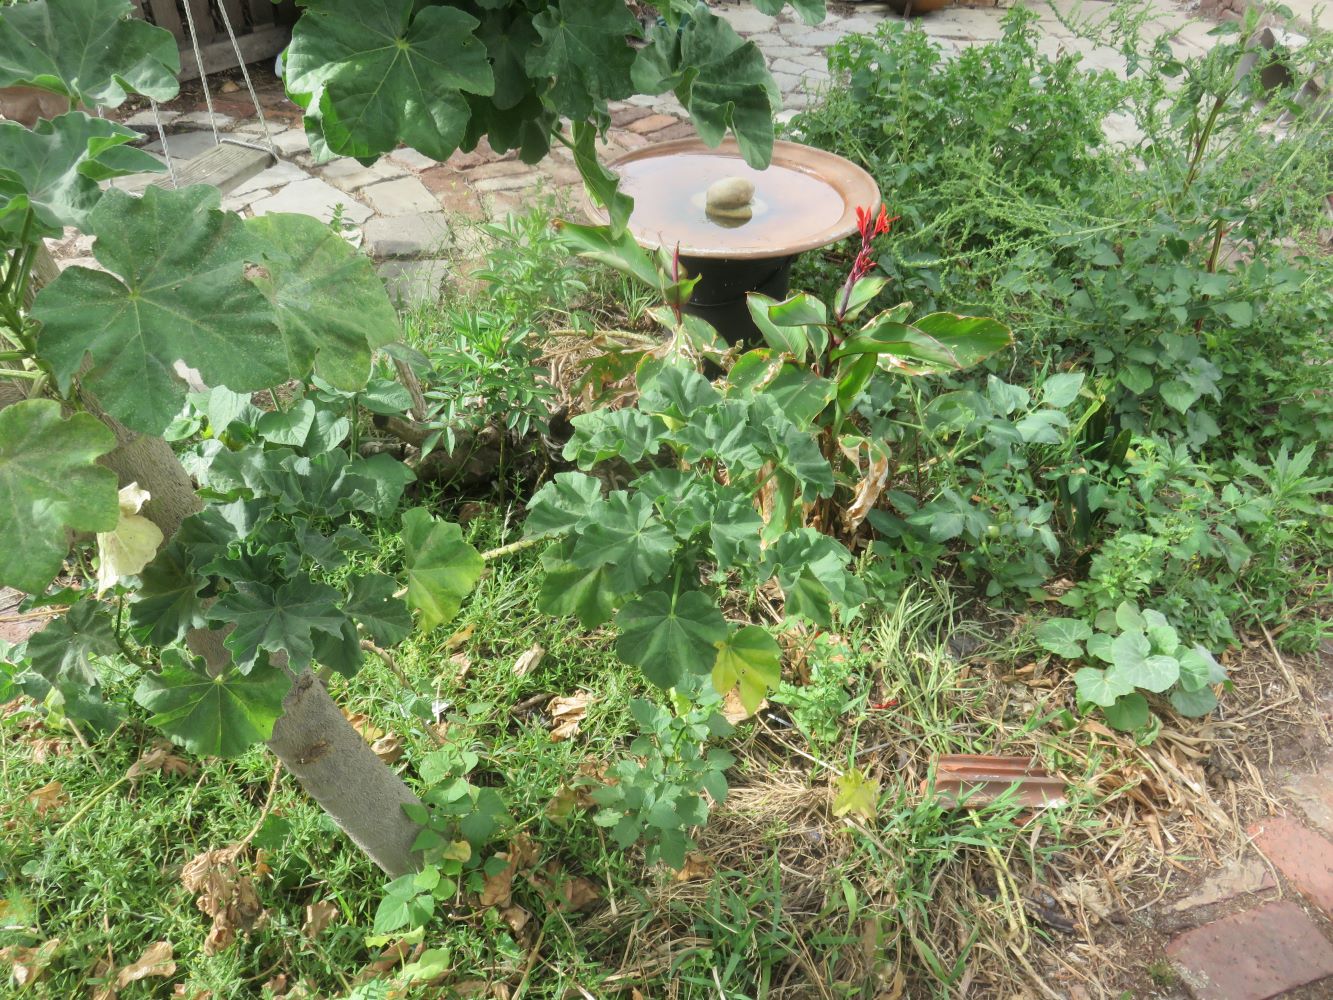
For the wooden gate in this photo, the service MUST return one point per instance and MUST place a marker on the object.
(262, 30)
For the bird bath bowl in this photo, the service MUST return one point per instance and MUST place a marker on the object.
(806, 199)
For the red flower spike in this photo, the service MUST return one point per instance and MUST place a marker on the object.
(870, 225)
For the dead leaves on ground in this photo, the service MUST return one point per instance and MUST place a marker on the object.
(28, 964)
(48, 798)
(318, 916)
(567, 713)
(223, 894)
(562, 891)
(161, 759)
(157, 961)
(527, 662)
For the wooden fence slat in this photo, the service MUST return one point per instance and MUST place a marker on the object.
(203, 21)
(262, 43)
(166, 16)
(235, 14)
(263, 36)
(261, 12)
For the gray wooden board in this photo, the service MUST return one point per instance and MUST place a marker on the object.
(225, 167)
(265, 41)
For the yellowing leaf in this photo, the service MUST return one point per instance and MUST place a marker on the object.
(132, 545)
(155, 961)
(856, 794)
(751, 661)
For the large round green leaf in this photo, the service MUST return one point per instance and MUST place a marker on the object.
(441, 567)
(50, 483)
(721, 79)
(668, 638)
(177, 292)
(215, 716)
(583, 50)
(379, 75)
(331, 307)
(283, 619)
(54, 168)
(751, 661)
(93, 51)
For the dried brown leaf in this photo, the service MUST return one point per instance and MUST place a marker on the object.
(579, 893)
(156, 960)
(867, 493)
(497, 889)
(183, 991)
(29, 963)
(49, 797)
(567, 713)
(516, 917)
(697, 867)
(526, 663)
(318, 916)
(462, 664)
(362, 724)
(390, 958)
(160, 758)
(224, 894)
(44, 748)
(388, 748)
(735, 712)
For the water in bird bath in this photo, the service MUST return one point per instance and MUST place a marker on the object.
(668, 193)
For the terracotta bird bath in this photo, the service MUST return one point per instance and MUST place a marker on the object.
(806, 199)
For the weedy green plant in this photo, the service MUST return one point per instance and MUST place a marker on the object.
(1164, 262)
(1145, 654)
(90, 365)
(656, 795)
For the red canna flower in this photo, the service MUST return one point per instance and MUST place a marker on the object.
(869, 225)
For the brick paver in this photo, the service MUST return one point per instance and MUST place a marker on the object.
(1300, 854)
(1253, 955)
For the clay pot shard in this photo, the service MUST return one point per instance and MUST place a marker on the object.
(969, 780)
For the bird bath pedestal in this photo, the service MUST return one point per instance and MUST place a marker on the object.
(806, 199)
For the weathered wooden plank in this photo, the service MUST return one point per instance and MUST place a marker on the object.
(203, 22)
(224, 166)
(262, 43)
(235, 12)
(166, 16)
(261, 12)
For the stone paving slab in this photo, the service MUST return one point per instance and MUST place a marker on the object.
(1303, 856)
(421, 235)
(1313, 794)
(312, 196)
(402, 196)
(1249, 875)
(1253, 955)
